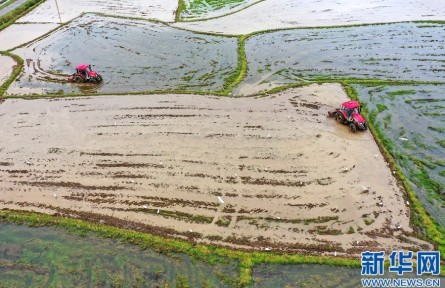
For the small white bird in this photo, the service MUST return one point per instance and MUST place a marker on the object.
(278, 217)
(365, 189)
(268, 249)
(55, 195)
(220, 200)
(28, 163)
(268, 135)
(376, 155)
(145, 206)
(398, 226)
(132, 181)
(380, 204)
(335, 253)
(190, 229)
(157, 211)
(403, 138)
(407, 203)
(115, 123)
(160, 163)
(393, 172)
(357, 242)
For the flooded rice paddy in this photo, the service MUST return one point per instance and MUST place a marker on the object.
(313, 276)
(130, 63)
(52, 257)
(48, 12)
(412, 119)
(202, 9)
(281, 14)
(389, 52)
(131, 55)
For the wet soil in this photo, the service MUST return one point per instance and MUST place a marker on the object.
(248, 173)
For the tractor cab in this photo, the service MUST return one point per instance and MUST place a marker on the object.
(350, 108)
(85, 70)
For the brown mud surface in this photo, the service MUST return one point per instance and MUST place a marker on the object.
(6, 67)
(290, 178)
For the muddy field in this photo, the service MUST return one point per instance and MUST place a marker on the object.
(118, 49)
(279, 14)
(47, 12)
(396, 52)
(262, 173)
(6, 67)
(412, 118)
(18, 34)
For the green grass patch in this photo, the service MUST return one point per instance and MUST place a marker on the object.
(393, 94)
(224, 221)
(10, 17)
(381, 107)
(15, 72)
(238, 75)
(437, 129)
(181, 8)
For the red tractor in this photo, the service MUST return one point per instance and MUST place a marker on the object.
(84, 74)
(349, 114)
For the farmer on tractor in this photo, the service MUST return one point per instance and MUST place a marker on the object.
(84, 73)
(349, 114)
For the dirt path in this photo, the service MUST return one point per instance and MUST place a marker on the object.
(290, 178)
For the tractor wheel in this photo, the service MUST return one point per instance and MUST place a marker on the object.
(352, 127)
(78, 79)
(340, 118)
(99, 78)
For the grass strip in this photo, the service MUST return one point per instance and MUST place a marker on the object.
(241, 69)
(16, 69)
(10, 17)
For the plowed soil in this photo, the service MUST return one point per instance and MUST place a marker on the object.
(289, 178)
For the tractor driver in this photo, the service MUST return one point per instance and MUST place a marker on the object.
(350, 112)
